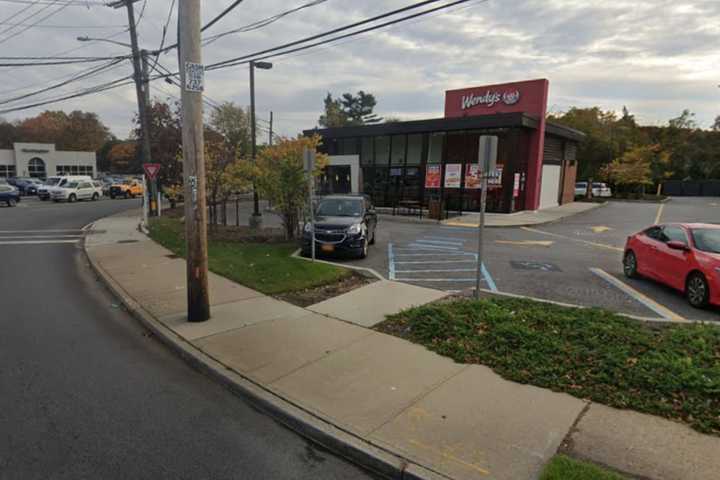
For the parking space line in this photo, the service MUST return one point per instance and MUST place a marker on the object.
(439, 254)
(586, 242)
(664, 312)
(391, 262)
(437, 271)
(488, 279)
(437, 261)
(444, 238)
(441, 242)
(437, 279)
(432, 247)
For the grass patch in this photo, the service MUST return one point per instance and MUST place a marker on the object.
(562, 467)
(671, 370)
(265, 267)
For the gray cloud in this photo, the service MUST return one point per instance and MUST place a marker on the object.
(656, 56)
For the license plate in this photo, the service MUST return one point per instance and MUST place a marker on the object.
(327, 248)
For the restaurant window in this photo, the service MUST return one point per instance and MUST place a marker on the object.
(398, 149)
(380, 185)
(412, 182)
(414, 149)
(36, 168)
(366, 151)
(435, 147)
(382, 150)
(348, 146)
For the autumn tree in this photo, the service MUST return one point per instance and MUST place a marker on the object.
(121, 157)
(82, 131)
(634, 167)
(281, 178)
(224, 177)
(165, 142)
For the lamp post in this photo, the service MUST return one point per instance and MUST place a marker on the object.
(256, 218)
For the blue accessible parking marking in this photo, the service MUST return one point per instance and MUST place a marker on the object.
(437, 262)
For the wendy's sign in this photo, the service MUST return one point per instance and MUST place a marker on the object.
(529, 97)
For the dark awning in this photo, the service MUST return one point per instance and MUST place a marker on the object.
(499, 120)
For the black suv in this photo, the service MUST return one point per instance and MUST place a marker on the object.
(344, 224)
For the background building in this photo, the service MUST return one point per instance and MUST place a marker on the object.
(41, 160)
(437, 158)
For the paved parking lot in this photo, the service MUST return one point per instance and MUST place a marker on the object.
(577, 260)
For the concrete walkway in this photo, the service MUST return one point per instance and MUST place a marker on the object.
(524, 218)
(387, 403)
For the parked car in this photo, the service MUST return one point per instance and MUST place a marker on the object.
(25, 185)
(344, 224)
(9, 194)
(75, 190)
(128, 188)
(43, 191)
(99, 188)
(684, 256)
(599, 189)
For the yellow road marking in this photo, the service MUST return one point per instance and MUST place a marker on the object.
(659, 213)
(449, 456)
(600, 229)
(664, 312)
(593, 244)
(526, 243)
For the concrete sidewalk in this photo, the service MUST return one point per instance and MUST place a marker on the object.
(380, 400)
(524, 218)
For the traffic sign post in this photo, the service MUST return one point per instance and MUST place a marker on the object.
(309, 164)
(487, 159)
(151, 172)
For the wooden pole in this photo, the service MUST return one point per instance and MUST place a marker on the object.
(192, 81)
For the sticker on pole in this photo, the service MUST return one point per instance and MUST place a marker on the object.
(194, 77)
(151, 170)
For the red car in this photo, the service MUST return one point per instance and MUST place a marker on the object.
(684, 256)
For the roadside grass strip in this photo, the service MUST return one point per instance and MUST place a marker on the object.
(562, 467)
(266, 267)
(667, 369)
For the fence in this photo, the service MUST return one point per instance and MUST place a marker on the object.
(692, 188)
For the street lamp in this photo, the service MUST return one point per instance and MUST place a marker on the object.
(90, 39)
(256, 218)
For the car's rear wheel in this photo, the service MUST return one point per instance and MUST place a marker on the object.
(11, 202)
(95, 196)
(630, 264)
(72, 198)
(112, 196)
(126, 195)
(697, 290)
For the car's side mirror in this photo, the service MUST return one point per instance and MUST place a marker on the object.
(676, 245)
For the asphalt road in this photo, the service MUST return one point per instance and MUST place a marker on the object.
(85, 392)
(568, 261)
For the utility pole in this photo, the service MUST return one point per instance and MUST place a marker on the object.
(152, 195)
(255, 218)
(139, 78)
(192, 85)
(271, 132)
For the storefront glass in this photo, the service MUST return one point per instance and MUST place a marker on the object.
(414, 150)
(382, 150)
(398, 150)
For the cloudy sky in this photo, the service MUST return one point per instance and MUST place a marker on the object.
(657, 57)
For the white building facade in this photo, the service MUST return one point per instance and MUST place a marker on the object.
(41, 160)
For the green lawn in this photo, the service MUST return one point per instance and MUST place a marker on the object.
(670, 370)
(566, 468)
(266, 267)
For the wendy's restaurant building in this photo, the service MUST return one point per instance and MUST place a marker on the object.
(412, 163)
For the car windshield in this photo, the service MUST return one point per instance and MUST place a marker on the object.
(340, 207)
(581, 184)
(706, 239)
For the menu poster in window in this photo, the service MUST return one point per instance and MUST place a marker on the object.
(396, 172)
(472, 175)
(495, 178)
(453, 174)
(432, 176)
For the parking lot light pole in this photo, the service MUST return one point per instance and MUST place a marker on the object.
(256, 218)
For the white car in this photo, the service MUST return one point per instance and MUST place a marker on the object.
(598, 189)
(75, 190)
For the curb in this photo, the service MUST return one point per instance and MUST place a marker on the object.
(342, 443)
(451, 223)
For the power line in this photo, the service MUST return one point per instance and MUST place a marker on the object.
(261, 23)
(72, 3)
(24, 29)
(335, 30)
(20, 11)
(69, 27)
(86, 74)
(222, 14)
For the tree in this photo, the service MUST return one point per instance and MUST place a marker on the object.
(334, 115)
(224, 176)
(79, 130)
(716, 124)
(165, 142)
(634, 168)
(121, 157)
(233, 123)
(280, 176)
(349, 109)
(686, 121)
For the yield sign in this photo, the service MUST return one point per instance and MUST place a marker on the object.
(151, 170)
